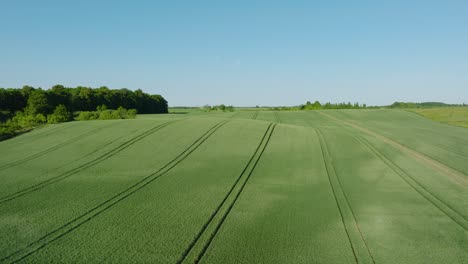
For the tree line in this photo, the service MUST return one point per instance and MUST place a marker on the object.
(318, 106)
(423, 105)
(21, 109)
(81, 99)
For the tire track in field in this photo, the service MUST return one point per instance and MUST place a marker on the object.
(43, 172)
(356, 239)
(445, 208)
(254, 116)
(84, 166)
(42, 153)
(451, 173)
(109, 203)
(277, 119)
(200, 244)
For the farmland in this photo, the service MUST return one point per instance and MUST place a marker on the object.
(332, 186)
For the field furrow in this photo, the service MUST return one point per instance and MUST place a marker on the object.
(457, 217)
(44, 152)
(356, 239)
(84, 166)
(452, 173)
(277, 118)
(202, 241)
(106, 205)
(255, 114)
(334, 186)
(416, 134)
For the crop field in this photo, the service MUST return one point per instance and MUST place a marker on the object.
(457, 116)
(331, 186)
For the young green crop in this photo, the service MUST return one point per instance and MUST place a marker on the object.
(334, 186)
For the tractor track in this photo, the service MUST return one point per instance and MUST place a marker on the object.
(84, 166)
(43, 172)
(109, 203)
(197, 255)
(445, 208)
(254, 116)
(41, 153)
(277, 119)
(453, 174)
(346, 206)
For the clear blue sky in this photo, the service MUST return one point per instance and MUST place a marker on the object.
(242, 52)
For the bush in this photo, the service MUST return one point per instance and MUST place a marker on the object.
(87, 115)
(7, 131)
(106, 114)
(24, 120)
(60, 115)
(131, 113)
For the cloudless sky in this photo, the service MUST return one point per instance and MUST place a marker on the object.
(242, 52)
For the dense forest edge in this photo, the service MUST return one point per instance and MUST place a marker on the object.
(24, 108)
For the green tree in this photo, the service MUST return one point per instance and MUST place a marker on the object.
(60, 115)
(37, 103)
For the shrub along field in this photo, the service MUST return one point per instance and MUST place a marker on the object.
(331, 186)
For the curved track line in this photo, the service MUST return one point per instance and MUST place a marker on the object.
(228, 194)
(277, 119)
(445, 208)
(82, 167)
(331, 171)
(213, 235)
(60, 145)
(254, 116)
(109, 203)
(453, 174)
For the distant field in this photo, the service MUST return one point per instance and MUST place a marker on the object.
(457, 116)
(333, 186)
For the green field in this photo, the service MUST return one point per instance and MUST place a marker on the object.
(333, 186)
(457, 116)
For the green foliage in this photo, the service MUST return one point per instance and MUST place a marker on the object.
(34, 101)
(106, 114)
(60, 115)
(37, 103)
(220, 107)
(8, 130)
(26, 120)
(101, 108)
(318, 106)
(421, 105)
(87, 115)
(131, 113)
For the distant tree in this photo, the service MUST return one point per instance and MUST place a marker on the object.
(37, 103)
(26, 90)
(316, 105)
